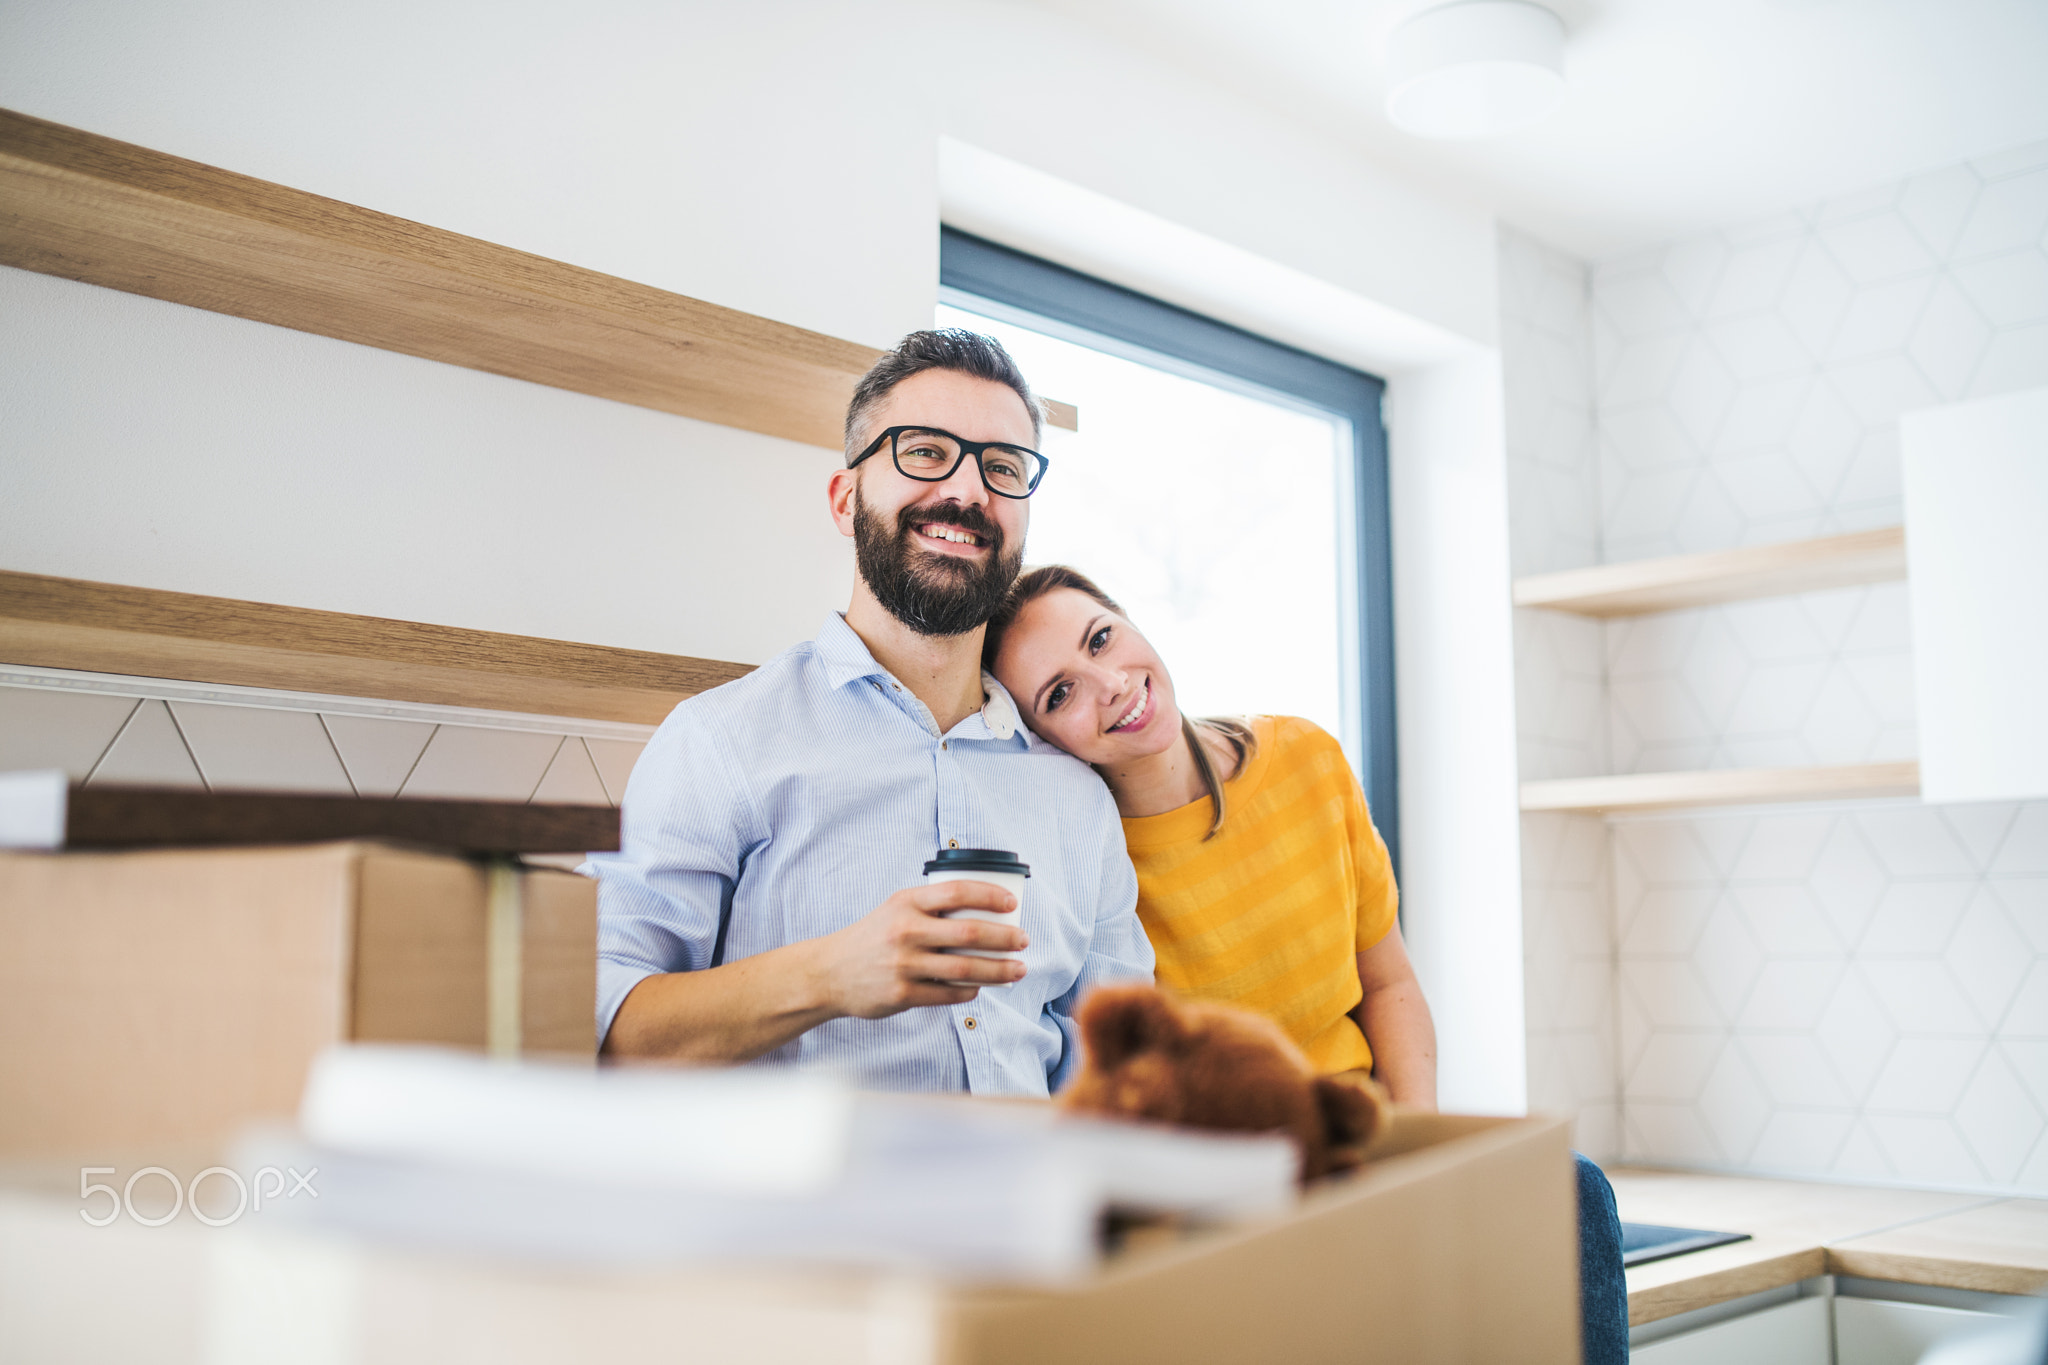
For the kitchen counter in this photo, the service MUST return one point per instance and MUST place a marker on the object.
(1996, 1248)
(1799, 1230)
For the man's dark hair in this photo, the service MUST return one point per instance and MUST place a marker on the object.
(944, 348)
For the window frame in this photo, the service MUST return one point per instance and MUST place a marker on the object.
(1030, 291)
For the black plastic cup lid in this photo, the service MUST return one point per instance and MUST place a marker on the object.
(976, 860)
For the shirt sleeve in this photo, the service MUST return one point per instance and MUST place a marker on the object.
(684, 833)
(1118, 950)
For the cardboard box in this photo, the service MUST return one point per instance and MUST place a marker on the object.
(1458, 1244)
(166, 998)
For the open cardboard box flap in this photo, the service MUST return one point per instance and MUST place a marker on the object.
(1455, 1242)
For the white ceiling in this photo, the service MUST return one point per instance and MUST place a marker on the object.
(1682, 114)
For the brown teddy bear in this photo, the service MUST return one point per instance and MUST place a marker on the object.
(1148, 1055)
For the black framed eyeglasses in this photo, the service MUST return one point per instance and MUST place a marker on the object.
(930, 456)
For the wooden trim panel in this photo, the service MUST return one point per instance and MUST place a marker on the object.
(1722, 787)
(1649, 585)
(105, 628)
(109, 213)
(152, 817)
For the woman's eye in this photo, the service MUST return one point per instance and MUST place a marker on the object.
(1098, 641)
(1056, 696)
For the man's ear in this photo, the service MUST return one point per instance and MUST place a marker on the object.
(1121, 1022)
(839, 491)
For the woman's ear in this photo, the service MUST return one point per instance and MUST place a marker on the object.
(1122, 1022)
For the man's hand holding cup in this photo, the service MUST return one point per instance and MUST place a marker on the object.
(936, 944)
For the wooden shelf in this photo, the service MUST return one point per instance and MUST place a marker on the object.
(1649, 585)
(1721, 787)
(104, 628)
(109, 213)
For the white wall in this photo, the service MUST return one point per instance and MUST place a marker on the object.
(1084, 110)
(1453, 646)
(1859, 993)
(1856, 991)
(1560, 691)
(778, 157)
(758, 156)
(155, 444)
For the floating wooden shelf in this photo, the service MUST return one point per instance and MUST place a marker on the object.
(1721, 787)
(109, 213)
(104, 628)
(1649, 585)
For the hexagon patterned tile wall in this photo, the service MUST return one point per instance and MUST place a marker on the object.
(1858, 990)
(108, 728)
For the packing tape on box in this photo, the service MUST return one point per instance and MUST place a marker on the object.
(505, 909)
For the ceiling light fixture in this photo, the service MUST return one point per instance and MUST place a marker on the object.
(1474, 69)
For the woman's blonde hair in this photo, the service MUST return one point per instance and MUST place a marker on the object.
(1036, 583)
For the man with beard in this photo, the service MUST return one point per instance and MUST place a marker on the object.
(768, 902)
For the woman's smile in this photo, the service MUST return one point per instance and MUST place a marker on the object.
(1139, 714)
(1088, 681)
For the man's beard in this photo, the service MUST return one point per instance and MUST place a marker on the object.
(932, 593)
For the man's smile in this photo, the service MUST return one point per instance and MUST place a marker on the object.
(949, 535)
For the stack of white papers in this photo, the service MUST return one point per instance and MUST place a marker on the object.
(731, 1130)
(635, 1165)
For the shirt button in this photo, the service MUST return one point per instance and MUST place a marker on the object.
(970, 1023)
(945, 744)
(952, 843)
(897, 686)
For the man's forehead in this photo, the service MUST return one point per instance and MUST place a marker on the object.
(964, 404)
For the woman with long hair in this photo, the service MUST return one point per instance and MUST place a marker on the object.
(1261, 880)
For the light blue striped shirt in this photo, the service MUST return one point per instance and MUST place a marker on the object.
(808, 792)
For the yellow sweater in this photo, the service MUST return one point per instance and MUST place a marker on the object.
(1272, 912)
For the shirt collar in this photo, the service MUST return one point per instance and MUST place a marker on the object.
(847, 659)
(844, 655)
(998, 711)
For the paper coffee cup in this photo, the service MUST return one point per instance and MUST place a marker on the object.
(998, 867)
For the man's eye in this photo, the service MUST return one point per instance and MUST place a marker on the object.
(1056, 696)
(1098, 641)
(1002, 469)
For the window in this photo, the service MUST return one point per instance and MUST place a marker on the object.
(1228, 490)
